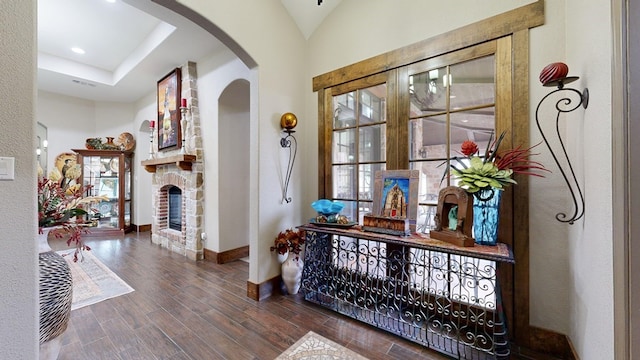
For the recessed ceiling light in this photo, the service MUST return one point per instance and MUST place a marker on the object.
(77, 50)
(111, 1)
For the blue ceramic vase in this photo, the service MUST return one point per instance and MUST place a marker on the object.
(486, 214)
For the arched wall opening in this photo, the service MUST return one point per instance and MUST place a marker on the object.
(234, 172)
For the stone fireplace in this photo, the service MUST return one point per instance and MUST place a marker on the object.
(185, 241)
(180, 171)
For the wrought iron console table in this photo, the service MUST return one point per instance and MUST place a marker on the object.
(444, 297)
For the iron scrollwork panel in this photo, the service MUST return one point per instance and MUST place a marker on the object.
(443, 301)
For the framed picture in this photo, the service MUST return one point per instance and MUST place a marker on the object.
(169, 132)
(395, 194)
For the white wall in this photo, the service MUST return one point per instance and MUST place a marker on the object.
(144, 111)
(588, 27)
(215, 73)
(69, 121)
(19, 256)
(274, 42)
(548, 240)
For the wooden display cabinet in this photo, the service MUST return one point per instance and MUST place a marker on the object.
(110, 174)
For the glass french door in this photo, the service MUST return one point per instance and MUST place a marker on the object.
(358, 145)
(450, 100)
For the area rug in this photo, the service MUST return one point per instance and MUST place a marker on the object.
(93, 281)
(313, 346)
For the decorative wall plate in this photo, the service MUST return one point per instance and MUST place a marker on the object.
(105, 208)
(61, 159)
(126, 141)
(114, 165)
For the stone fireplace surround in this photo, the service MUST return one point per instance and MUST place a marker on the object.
(187, 241)
(185, 171)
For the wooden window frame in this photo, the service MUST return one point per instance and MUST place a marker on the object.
(510, 30)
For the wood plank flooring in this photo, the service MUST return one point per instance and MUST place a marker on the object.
(182, 309)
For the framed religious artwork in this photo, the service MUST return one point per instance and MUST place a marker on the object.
(395, 202)
(169, 91)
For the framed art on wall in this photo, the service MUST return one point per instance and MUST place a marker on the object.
(169, 132)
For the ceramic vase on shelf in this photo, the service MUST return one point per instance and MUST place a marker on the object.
(292, 272)
(486, 214)
(55, 291)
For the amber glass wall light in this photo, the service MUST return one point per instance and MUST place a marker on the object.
(288, 121)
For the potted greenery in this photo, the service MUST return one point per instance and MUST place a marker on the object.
(485, 177)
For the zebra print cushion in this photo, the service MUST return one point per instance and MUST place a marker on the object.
(56, 288)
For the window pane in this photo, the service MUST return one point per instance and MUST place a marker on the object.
(350, 210)
(472, 83)
(367, 174)
(428, 137)
(364, 208)
(344, 144)
(373, 143)
(426, 220)
(344, 181)
(428, 92)
(477, 126)
(373, 104)
(344, 110)
(431, 180)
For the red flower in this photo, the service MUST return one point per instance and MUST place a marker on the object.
(469, 148)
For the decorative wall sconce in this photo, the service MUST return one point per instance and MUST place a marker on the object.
(183, 123)
(288, 121)
(152, 128)
(568, 100)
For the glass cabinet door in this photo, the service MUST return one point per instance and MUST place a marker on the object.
(126, 176)
(108, 174)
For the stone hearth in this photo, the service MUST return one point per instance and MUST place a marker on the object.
(183, 170)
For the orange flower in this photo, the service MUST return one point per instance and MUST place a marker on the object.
(289, 241)
(469, 148)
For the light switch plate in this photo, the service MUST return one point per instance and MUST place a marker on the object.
(7, 168)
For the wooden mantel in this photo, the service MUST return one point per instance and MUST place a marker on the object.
(182, 161)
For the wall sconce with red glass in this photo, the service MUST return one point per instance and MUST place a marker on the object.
(566, 101)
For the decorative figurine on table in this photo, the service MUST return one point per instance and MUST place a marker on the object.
(454, 217)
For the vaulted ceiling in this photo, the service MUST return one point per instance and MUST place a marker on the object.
(128, 46)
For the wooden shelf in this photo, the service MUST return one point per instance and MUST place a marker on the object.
(182, 161)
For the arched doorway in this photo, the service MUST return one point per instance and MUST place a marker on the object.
(233, 167)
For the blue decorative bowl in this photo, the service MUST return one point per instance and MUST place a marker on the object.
(327, 207)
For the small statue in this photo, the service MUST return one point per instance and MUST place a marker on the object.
(453, 218)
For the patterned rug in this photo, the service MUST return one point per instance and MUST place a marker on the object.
(315, 347)
(93, 281)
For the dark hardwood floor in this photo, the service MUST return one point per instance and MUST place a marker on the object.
(182, 309)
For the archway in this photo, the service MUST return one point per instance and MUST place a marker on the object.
(233, 167)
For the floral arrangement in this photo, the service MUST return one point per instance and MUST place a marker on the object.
(61, 206)
(495, 169)
(289, 241)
